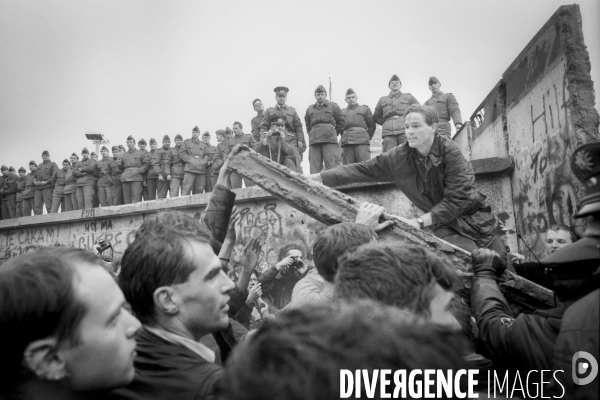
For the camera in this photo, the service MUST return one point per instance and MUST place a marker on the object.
(276, 132)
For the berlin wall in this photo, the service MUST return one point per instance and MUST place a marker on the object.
(540, 111)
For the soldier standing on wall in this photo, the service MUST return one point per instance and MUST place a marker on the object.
(116, 171)
(175, 167)
(164, 173)
(59, 180)
(446, 106)
(389, 113)
(359, 127)
(258, 106)
(209, 167)
(135, 165)
(274, 146)
(43, 186)
(142, 146)
(153, 169)
(85, 171)
(105, 181)
(221, 152)
(8, 192)
(195, 155)
(29, 192)
(20, 190)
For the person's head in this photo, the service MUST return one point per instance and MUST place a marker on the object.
(4, 170)
(62, 318)
(74, 158)
(557, 237)
(66, 164)
(178, 140)
(45, 155)
(420, 123)
(395, 84)
(277, 122)
(206, 137)
(220, 134)
(142, 144)
(195, 132)
(166, 142)
(22, 172)
(104, 151)
(403, 275)
(32, 166)
(258, 106)
(130, 142)
(153, 144)
(253, 280)
(94, 156)
(122, 148)
(351, 98)
(281, 94)
(174, 280)
(434, 85)
(298, 254)
(115, 151)
(300, 355)
(85, 154)
(335, 241)
(320, 94)
(237, 128)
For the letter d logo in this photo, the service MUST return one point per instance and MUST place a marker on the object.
(583, 364)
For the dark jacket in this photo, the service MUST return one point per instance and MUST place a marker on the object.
(29, 191)
(359, 125)
(116, 170)
(71, 186)
(135, 164)
(525, 342)
(104, 171)
(20, 188)
(195, 155)
(45, 172)
(389, 112)
(255, 126)
(174, 164)
(447, 107)
(8, 188)
(293, 124)
(85, 171)
(212, 150)
(324, 123)
(164, 168)
(164, 370)
(444, 186)
(153, 164)
(221, 152)
(59, 180)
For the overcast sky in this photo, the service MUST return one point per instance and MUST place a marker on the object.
(150, 68)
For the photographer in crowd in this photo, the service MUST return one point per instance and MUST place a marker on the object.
(274, 144)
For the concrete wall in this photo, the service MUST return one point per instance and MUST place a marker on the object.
(538, 113)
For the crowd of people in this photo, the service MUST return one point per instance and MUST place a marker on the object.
(173, 324)
(191, 166)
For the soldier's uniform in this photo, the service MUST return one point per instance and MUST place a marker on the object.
(20, 190)
(246, 139)
(195, 155)
(221, 152)
(163, 172)
(105, 180)
(174, 166)
(144, 176)
(153, 170)
(255, 125)
(389, 113)
(359, 127)
(293, 125)
(447, 107)
(135, 165)
(208, 186)
(43, 193)
(70, 190)
(59, 180)
(277, 148)
(29, 192)
(115, 171)
(85, 172)
(8, 193)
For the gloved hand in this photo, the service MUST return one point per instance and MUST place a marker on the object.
(487, 263)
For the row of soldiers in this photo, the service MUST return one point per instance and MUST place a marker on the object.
(191, 166)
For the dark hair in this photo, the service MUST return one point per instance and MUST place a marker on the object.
(156, 258)
(291, 246)
(238, 124)
(561, 227)
(335, 241)
(430, 113)
(254, 101)
(38, 300)
(399, 274)
(300, 354)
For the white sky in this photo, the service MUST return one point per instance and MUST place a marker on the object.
(149, 68)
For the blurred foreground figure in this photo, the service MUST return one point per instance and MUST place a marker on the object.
(64, 331)
(300, 355)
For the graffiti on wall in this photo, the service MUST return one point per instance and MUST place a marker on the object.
(28, 240)
(106, 230)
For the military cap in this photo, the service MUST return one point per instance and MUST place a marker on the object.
(85, 151)
(220, 132)
(585, 164)
(11, 169)
(281, 90)
(93, 153)
(178, 137)
(115, 148)
(433, 80)
(254, 101)
(576, 260)
(66, 161)
(104, 148)
(320, 89)
(45, 153)
(166, 137)
(152, 140)
(32, 163)
(394, 78)
(75, 155)
(130, 138)
(196, 129)
(2, 168)
(350, 91)
(277, 119)
(122, 147)
(22, 169)
(206, 134)
(142, 141)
